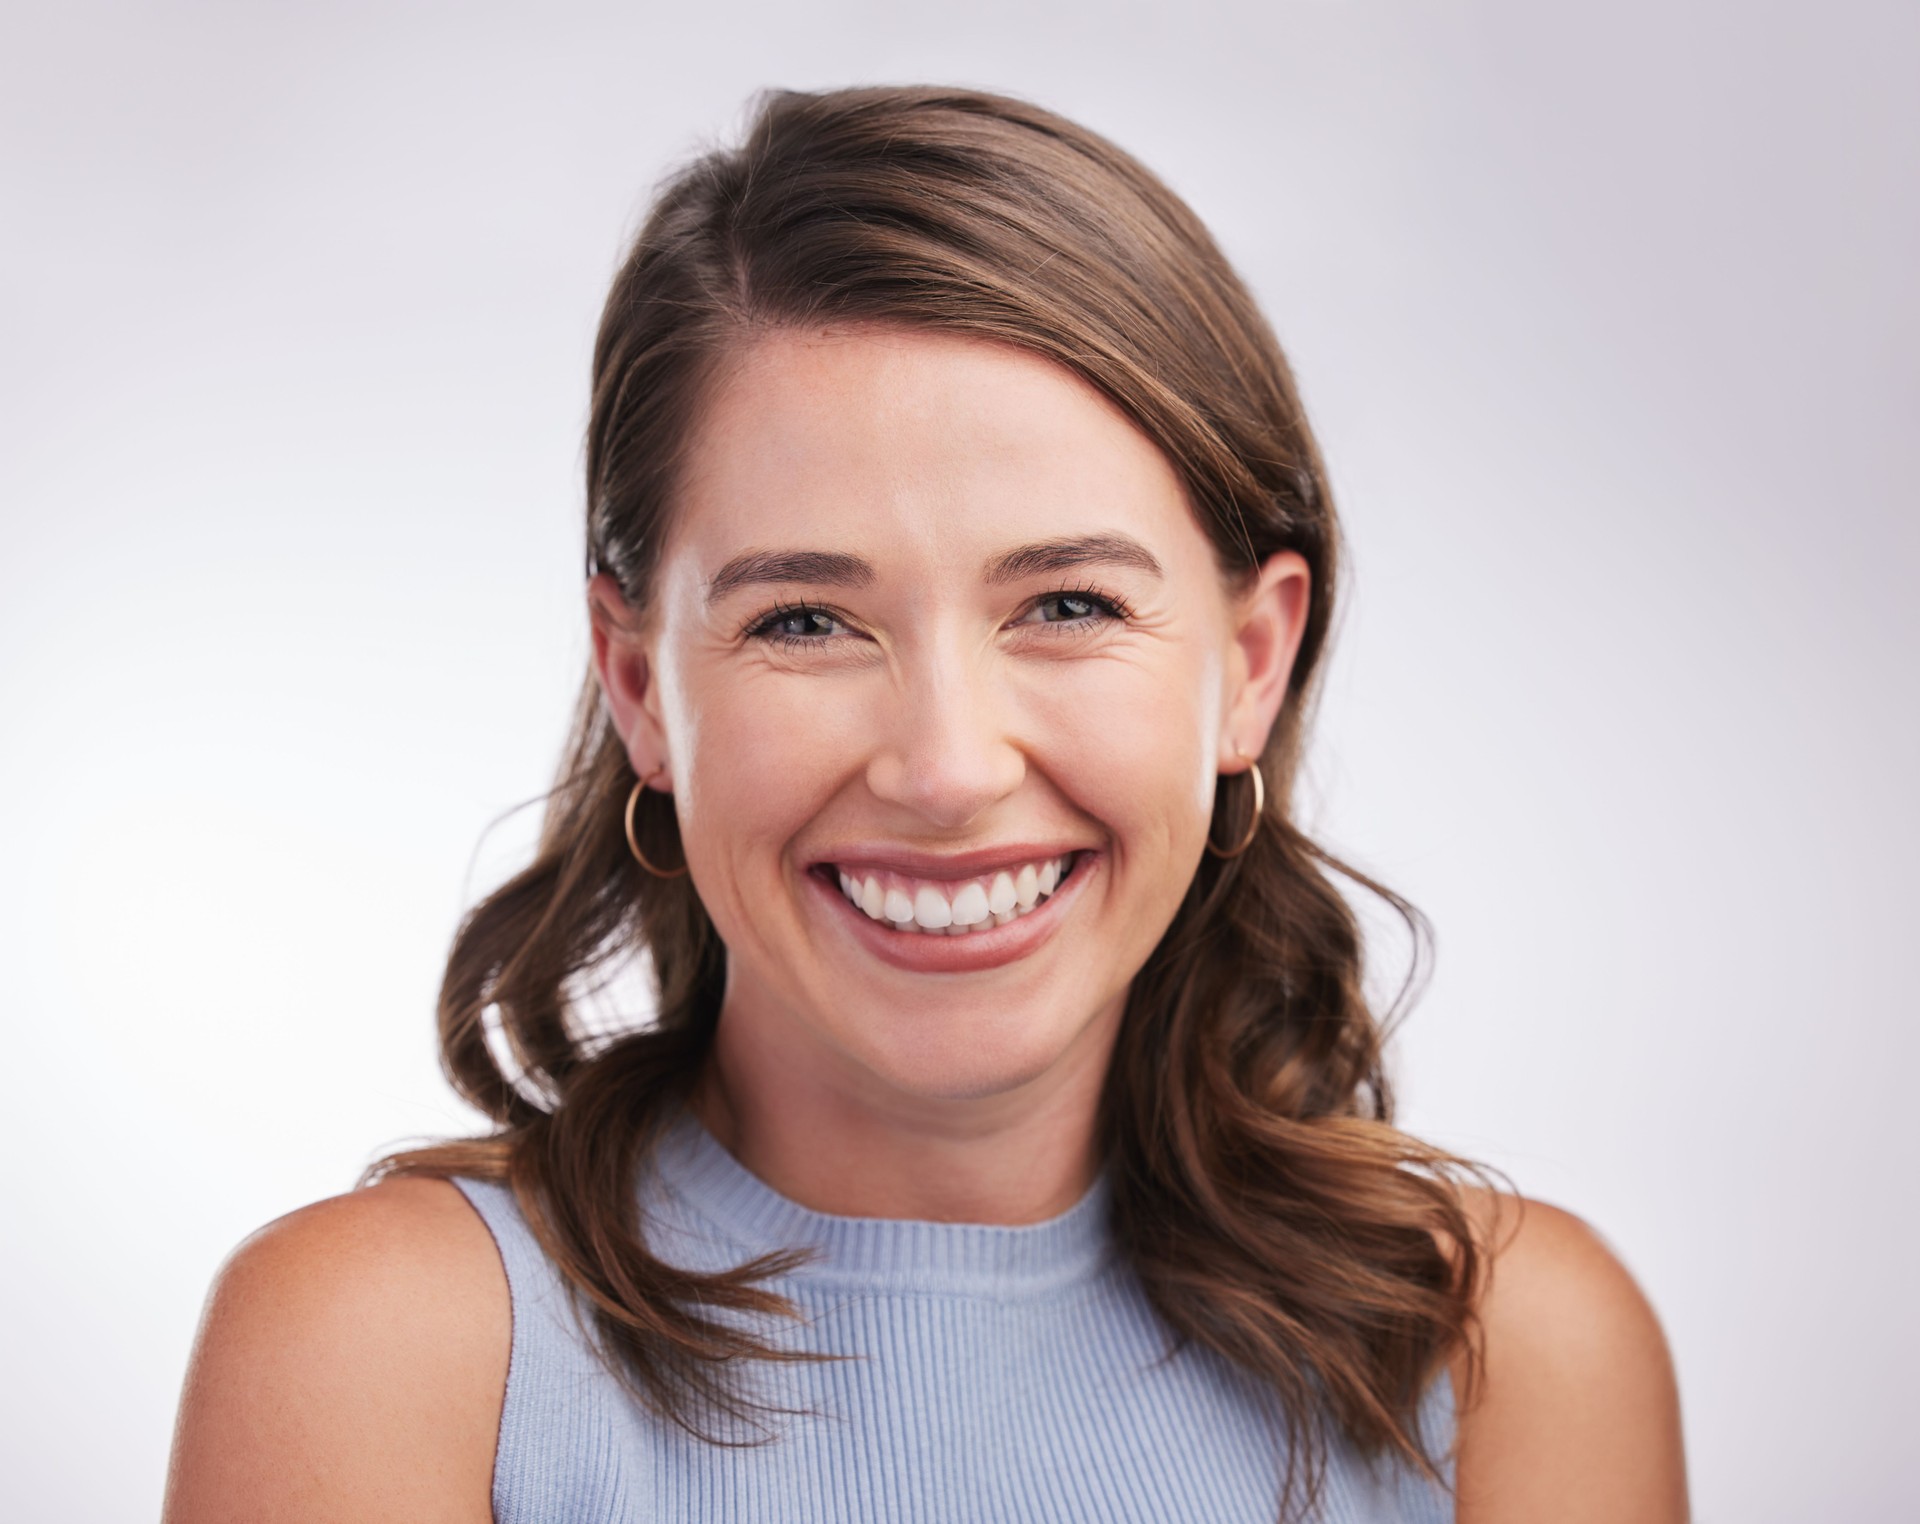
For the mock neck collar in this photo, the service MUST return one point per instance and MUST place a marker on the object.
(882, 1253)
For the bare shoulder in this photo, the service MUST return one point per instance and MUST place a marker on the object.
(351, 1362)
(1578, 1416)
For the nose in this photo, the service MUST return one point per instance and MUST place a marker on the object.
(945, 750)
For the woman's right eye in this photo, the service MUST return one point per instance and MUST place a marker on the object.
(796, 625)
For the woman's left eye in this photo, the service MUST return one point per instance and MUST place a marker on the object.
(1072, 608)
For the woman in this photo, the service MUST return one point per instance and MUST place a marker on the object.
(1012, 1142)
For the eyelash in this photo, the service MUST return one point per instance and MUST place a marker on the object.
(1115, 607)
(761, 628)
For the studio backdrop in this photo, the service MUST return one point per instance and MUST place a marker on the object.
(1606, 317)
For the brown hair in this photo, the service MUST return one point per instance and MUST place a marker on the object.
(1269, 1208)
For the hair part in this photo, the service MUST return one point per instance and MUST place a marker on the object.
(1272, 1212)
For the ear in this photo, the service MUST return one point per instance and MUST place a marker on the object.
(623, 661)
(1269, 619)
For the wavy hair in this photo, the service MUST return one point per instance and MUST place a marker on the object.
(1271, 1211)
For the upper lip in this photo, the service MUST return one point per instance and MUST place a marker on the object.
(913, 862)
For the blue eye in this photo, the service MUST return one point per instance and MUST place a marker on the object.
(1071, 606)
(1075, 606)
(799, 624)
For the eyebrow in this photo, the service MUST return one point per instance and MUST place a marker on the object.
(1070, 551)
(820, 567)
(825, 568)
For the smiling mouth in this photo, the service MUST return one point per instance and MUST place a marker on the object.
(957, 907)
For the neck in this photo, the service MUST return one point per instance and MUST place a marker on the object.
(859, 1149)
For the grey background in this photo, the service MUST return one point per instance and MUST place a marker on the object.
(1606, 315)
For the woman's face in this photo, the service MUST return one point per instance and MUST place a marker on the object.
(941, 668)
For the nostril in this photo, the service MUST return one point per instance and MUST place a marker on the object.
(946, 773)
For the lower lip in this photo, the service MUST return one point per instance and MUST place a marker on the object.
(937, 953)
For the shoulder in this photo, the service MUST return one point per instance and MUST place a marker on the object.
(1577, 1416)
(351, 1362)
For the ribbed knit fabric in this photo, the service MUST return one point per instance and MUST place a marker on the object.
(999, 1374)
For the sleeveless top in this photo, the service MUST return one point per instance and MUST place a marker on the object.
(998, 1374)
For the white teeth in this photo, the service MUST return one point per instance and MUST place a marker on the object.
(1026, 888)
(931, 909)
(976, 904)
(970, 905)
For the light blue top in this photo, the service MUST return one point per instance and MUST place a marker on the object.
(1002, 1374)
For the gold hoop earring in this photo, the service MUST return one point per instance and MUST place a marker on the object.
(633, 844)
(1259, 807)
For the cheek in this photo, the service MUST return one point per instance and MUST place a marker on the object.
(1130, 741)
(756, 757)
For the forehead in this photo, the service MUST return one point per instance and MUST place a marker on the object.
(912, 447)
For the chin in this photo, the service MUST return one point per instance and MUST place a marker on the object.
(950, 1065)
